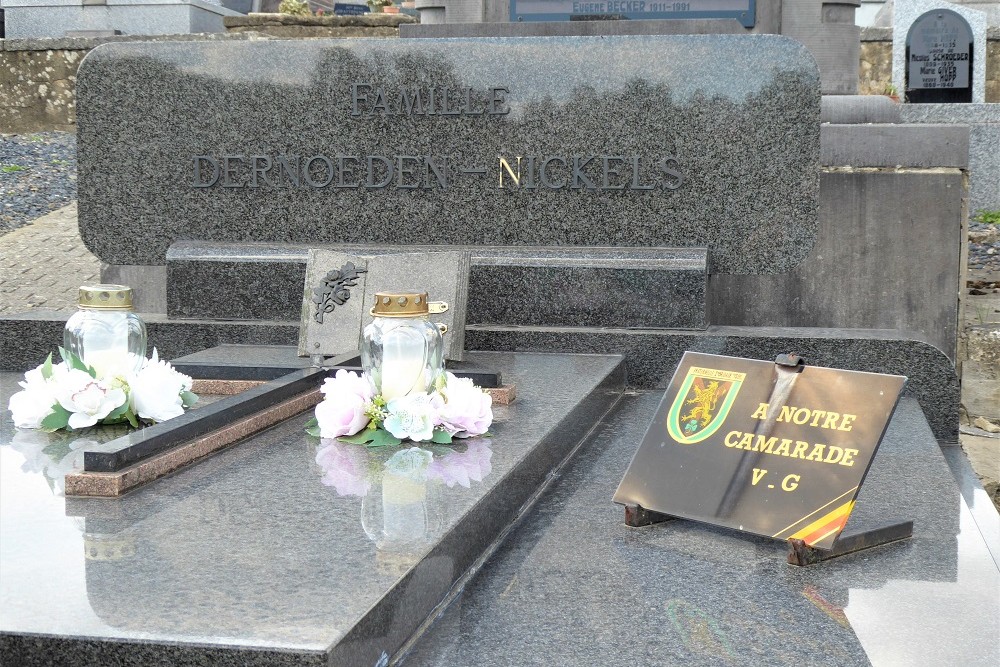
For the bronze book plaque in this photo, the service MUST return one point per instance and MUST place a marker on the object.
(759, 447)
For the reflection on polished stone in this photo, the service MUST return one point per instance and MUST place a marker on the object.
(55, 455)
(403, 509)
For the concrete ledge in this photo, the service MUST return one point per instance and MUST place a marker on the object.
(884, 145)
(856, 109)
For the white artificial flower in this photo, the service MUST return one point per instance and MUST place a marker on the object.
(87, 399)
(38, 398)
(343, 410)
(156, 390)
(30, 407)
(411, 417)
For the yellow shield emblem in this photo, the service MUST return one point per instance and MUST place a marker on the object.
(702, 404)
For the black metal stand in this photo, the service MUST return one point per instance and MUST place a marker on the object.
(637, 516)
(799, 553)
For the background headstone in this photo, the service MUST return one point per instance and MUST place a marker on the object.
(939, 58)
(905, 12)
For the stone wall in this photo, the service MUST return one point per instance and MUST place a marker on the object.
(38, 88)
(38, 76)
(875, 67)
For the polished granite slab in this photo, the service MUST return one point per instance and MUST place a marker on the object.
(574, 586)
(282, 550)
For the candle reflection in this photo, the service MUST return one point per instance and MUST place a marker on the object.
(403, 506)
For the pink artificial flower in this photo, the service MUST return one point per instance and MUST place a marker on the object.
(343, 408)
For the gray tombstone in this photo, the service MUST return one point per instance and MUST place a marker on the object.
(939, 58)
(340, 289)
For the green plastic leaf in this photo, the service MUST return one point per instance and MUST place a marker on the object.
(57, 419)
(362, 438)
(76, 362)
(188, 398)
(383, 438)
(116, 413)
(373, 438)
(312, 428)
(441, 437)
(47, 367)
(132, 419)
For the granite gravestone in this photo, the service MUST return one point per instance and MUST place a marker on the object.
(626, 142)
(939, 58)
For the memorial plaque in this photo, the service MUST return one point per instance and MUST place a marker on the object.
(759, 447)
(340, 288)
(939, 57)
(744, 11)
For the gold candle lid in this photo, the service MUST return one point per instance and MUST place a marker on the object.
(405, 304)
(106, 297)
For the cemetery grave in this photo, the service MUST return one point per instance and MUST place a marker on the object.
(596, 199)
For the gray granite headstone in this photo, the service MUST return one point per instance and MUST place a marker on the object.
(340, 290)
(665, 141)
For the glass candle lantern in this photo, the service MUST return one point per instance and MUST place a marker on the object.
(402, 350)
(104, 332)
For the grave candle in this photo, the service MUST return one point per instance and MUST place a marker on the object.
(402, 351)
(104, 332)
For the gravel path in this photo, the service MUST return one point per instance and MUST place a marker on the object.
(37, 176)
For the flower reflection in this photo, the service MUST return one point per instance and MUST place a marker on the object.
(462, 468)
(352, 470)
(345, 467)
(54, 455)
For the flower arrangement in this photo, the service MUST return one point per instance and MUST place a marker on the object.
(71, 395)
(351, 411)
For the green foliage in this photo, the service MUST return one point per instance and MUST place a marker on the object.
(373, 438)
(47, 367)
(312, 427)
(76, 362)
(988, 217)
(441, 437)
(188, 398)
(294, 8)
(57, 420)
(12, 168)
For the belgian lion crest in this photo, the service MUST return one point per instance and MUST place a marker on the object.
(702, 404)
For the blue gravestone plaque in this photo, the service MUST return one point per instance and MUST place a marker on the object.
(743, 11)
(939, 58)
